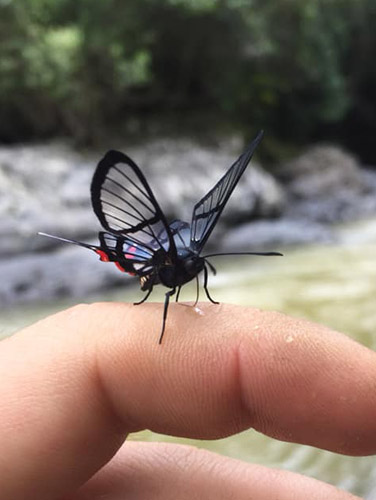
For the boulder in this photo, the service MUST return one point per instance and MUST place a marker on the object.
(70, 271)
(47, 188)
(327, 184)
(36, 193)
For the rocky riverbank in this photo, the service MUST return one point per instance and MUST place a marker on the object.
(46, 188)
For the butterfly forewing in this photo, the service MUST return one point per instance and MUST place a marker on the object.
(126, 206)
(207, 211)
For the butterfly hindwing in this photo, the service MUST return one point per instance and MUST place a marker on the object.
(130, 257)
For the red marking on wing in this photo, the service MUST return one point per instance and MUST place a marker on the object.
(102, 256)
(119, 266)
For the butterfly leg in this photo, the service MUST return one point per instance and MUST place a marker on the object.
(197, 295)
(167, 300)
(197, 291)
(206, 286)
(144, 298)
(177, 295)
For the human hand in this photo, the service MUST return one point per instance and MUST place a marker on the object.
(73, 385)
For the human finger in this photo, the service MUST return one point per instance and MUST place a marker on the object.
(73, 385)
(168, 471)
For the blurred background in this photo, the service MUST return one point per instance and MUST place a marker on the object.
(302, 70)
(181, 86)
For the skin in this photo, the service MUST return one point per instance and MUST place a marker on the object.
(73, 385)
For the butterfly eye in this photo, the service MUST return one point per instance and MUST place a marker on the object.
(194, 265)
(190, 264)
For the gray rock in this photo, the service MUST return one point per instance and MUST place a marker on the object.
(34, 182)
(322, 171)
(182, 171)
(68, 272)
(46, 188)
(328, 185)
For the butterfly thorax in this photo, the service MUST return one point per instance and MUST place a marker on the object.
(183, 270)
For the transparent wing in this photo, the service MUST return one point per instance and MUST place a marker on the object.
(180, 231)
(207, 211)
(126, 206)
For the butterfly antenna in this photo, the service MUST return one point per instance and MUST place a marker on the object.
(197, 291)
(265, 254)
(65, 240)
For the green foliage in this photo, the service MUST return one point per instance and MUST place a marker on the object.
(82, 68)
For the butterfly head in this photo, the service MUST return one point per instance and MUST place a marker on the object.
(193, 265)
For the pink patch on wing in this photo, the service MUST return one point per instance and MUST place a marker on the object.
(130, 253)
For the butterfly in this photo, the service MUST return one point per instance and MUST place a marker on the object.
(137, 237)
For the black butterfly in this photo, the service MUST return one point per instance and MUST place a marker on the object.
(137, 236)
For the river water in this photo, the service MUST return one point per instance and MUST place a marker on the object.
(331, 284)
